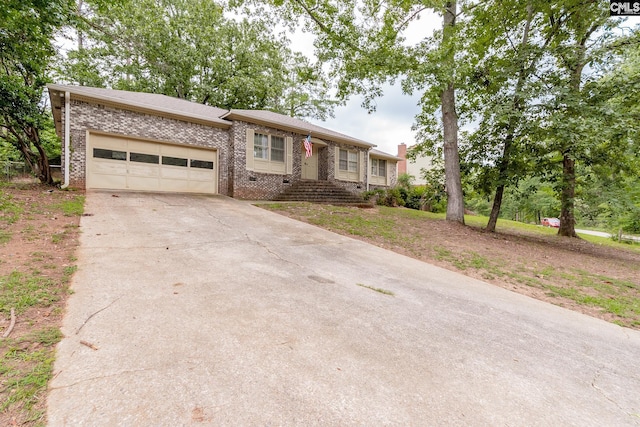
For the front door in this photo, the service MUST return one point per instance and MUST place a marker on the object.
(310, 165)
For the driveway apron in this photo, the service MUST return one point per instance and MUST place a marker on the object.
(194, 310)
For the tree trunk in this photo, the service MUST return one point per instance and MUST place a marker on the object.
(495, 210)
(38, 163)
(517, 105)
(567, 220)
(453, 182)
(44, 171)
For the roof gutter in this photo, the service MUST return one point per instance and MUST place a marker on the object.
(141, 107)
(67, 138)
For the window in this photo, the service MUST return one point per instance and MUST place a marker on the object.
(269, 153)
(100, 153)
(353, 161)
(174, 161)
(348, 165)
(378, 167)
(344, 164)
(348, 161)
(268, 147)
(201, 164)
(277, 149)
(261, 146)
(144, 158)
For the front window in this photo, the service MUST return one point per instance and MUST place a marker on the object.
(348, 161)
(261, 146)
(277, 149)
(353, 161)
(378, 167)
(344, 163)
(268, 147)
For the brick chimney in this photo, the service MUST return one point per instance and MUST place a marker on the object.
(402, 153)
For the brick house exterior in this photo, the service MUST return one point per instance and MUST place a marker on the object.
(152, 120)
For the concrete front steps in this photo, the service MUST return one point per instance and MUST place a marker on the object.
(321, 192)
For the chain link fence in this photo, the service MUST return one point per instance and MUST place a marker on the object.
(10, 170)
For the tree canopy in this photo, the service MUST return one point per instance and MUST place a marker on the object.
(191, 49)
(26, 47)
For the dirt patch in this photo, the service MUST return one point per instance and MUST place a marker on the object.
(38, 240)
(597, 280)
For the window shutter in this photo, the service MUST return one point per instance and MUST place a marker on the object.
(390, 166)
(362, 167)
(249, 147)
(288, 146)
(337, 162)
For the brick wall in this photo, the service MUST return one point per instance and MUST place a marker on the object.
(234, 179)
(265, 186)
(86, 116)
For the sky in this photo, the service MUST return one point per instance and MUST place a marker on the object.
(386, 127)
(391, 123)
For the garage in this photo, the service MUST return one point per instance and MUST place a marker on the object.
(118, 163)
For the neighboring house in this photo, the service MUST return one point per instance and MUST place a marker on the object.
(115, 139)
(413, 167)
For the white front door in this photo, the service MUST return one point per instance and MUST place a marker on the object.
(310, 164)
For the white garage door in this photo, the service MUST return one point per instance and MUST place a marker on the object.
(128, 164)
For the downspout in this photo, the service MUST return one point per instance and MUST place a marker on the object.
(367, 170)
(67, 138)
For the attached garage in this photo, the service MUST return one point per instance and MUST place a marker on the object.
(119, 163)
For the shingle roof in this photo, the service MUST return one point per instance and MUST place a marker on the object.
(281, 121)
(148, 101)
(383, 155)
(191, 111)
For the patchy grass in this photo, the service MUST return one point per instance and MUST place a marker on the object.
(10, 210)
(26, 368)
(71, 207)
(594, 275)
(606, 241)
(5, 237)
(35, 269)
(22, 291)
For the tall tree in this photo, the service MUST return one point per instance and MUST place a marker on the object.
(366, 45)
(527, 74)
(28, 29)
(574, 112)
(500, 50)
(453, 183)
(190, 49)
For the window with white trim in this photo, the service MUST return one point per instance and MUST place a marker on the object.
(268, 147)
(348, 164)
(348, 160)
(277, 149)
(378, 167)
(261, 146)
(268, 153)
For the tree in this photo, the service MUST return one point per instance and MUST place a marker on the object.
(534, 105)
(191, 50)
(28, 28)
(498, 89)
(578, 114)
(453, 183)
(365, 45)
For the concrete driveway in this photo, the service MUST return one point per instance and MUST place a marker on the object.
(193, 310)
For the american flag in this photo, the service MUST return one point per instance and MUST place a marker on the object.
(308, 147)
